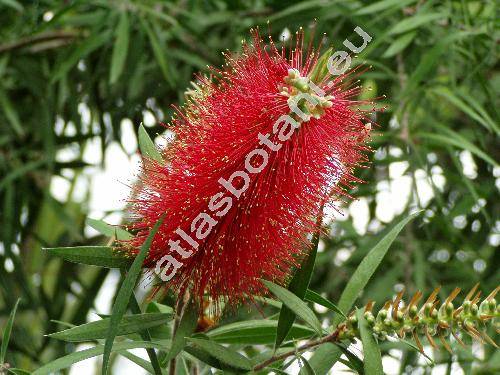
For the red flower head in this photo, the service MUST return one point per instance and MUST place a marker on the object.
(258, 152)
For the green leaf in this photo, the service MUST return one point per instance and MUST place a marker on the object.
(146, 336)
(298, 286)
(81, 355)
(147, 146)
(430, 59)
(372, 358)
(327, 355)
(454, 139)
(155, 307)
(417, 20)
(102, 256)
(7, 331)
(369, 265)
(123, 297)
(255, 332)
(306, 367)
(186, 327)
(120, 49)
(10, 113)
(382, 5)
(158, 50)
(353, 362)
(400, 44)
(140, 362)
(295, 304)
(13, 4)
(324, 358)
(89, 45)
(464, 107)
(312, 296)
(223, 354)
(204, 357)
(98, 329)
(108, 229)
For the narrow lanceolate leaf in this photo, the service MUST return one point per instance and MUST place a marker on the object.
(298, 286)
(10, 113)
(312, 296)
(369, 265)
(81, 355)
(158, 50)
(372, 358)
(306, 367)
(98, 329)
(400, 44)
(146, 336)
(255, 332)
(458, 141)
(6, 333)
(295, 304)
(102, 256)
(89, 45)
(382, 5)
(327, 355)
(225, 355)
(186, 327)
(124, 294)
(147, 146)
(108, 229)
(412, 23)
(120, 48)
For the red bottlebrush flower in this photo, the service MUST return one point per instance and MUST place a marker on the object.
(245, 179)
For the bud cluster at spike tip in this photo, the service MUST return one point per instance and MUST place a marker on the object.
(255, 225)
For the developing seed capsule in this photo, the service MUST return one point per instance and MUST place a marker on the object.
(353, 319)
(370, 319)
(434, 314)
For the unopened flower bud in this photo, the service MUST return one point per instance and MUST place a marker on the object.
(353, 319)
(449, 308)
(413, 311)
(399, 316)
(492, 304)
(382, 314)
(474, 309)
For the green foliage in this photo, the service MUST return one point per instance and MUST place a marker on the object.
(71, 72)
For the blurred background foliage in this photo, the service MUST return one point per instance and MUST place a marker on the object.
(71, 73)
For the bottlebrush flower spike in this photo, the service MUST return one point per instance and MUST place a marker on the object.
(246, 176)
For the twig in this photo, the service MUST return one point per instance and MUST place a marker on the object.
(40, 38)
(332, 337)
(179, 309)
